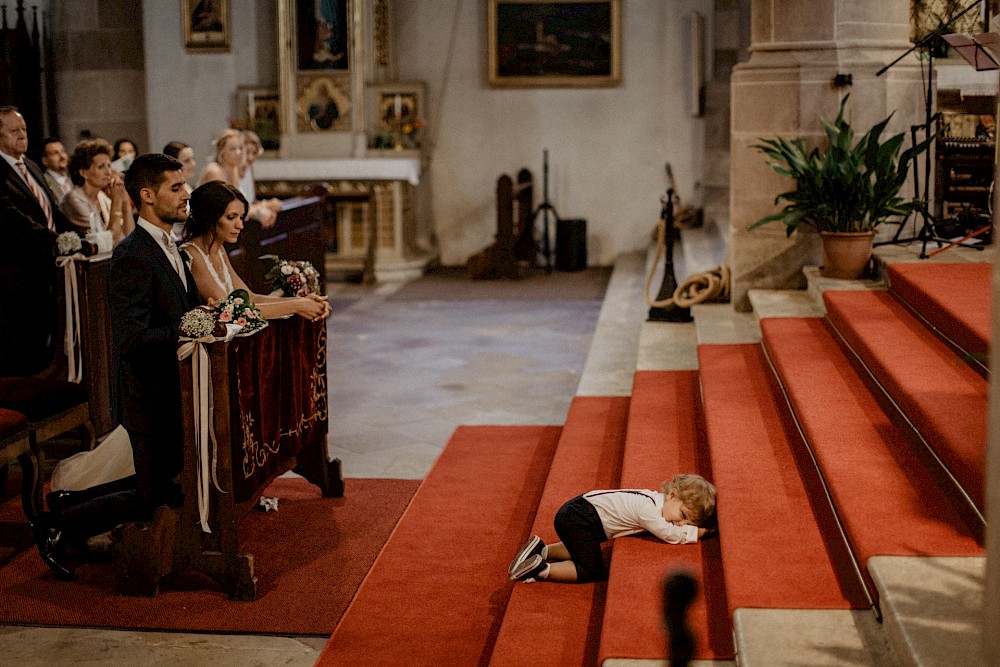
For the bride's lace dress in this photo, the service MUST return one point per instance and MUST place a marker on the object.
(226, 282)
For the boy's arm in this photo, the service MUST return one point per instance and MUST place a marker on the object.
(671, 533)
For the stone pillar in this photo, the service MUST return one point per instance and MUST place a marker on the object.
(786, 87)
(100, 71)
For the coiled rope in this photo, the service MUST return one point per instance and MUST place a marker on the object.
(697, 288)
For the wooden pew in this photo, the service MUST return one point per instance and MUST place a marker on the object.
(270, 416)
(297, 234)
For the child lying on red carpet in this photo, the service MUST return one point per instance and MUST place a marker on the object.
(677, 514)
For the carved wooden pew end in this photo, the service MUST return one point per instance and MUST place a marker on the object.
(143, 552)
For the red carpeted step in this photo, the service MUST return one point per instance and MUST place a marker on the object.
(664, 438)
(436, 593)
(944, 398)
(956, 298)
(558, 624)
(779, 540)
(890, 499)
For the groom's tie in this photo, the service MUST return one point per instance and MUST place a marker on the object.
(43, 201)
(175, 257)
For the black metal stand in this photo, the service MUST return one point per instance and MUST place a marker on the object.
(928, 231)
(545, 208)
(671, 313)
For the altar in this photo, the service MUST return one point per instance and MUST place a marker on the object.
(371, 224)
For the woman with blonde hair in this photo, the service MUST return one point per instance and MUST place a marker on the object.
(230, 166)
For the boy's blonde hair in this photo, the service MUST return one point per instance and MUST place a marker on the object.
(696, 493)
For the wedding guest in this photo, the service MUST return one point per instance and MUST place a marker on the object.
(56, 163)
(230, 166)
(98, 201)
(184, 154)
(125, 148)
(27, 273)
(217, 213)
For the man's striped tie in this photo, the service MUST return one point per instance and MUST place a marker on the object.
(43, 201)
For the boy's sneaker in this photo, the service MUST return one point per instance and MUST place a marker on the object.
(532, 547)
(529, 568)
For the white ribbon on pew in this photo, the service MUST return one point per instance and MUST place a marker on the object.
(74, 354)
(206, 445)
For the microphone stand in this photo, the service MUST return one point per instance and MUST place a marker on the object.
(927, 232)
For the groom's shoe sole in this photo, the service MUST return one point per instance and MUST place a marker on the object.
(529, 549)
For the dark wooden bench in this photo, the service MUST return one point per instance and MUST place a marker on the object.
(269, 417)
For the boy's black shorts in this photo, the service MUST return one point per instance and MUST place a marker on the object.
(579, 527)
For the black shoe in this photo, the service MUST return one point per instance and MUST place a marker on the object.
(52, 552)
(529, 569)
(532, 547)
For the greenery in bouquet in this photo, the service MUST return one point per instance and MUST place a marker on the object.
(292, 277)
(237, 309)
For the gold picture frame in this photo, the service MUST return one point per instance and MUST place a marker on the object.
(260, 110)
(206, 25)
(554, 43)
(397, 114)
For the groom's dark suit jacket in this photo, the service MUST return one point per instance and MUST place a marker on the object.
(27, 274)
(146, 299)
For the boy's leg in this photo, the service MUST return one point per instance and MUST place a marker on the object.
(579, 527)
(558, 551)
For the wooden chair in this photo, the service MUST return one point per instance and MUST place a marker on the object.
(52, 407)
(15, 445)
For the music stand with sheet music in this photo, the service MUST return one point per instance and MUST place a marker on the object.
(979, 50)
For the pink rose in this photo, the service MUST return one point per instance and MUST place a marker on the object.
(225, 316)
(242, 321)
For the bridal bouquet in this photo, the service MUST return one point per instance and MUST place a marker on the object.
(236, 311)
(292, 277)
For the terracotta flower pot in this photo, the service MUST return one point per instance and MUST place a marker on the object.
(846, 254)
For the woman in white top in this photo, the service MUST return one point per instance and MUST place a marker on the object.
(230, 166)
(98, 192)
(217, 213)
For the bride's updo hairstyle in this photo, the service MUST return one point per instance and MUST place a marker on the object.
(208, 204)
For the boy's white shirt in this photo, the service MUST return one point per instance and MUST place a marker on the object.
(630, 511)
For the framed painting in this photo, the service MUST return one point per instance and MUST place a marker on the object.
(536, 43)
(322, 34)
(260, 110)
(206, 25)
(398, 114)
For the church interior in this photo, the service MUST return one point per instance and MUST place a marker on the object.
(506, 201)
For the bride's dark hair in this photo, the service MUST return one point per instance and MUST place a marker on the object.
(209, 203)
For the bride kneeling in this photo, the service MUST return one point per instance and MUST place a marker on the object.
(217, 214)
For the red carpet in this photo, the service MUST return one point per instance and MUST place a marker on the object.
(956, 298)
(311, 556)
(780, 545)
(437, 592)
(664, 438)
(943, 396)
(889, 497)
(559, 624)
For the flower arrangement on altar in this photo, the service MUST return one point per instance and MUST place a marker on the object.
(234, 314)
(292, 277)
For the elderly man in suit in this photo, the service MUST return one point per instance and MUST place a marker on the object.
(149, 288)
(29, 220)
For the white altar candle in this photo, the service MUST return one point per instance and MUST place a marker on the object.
(397, 106)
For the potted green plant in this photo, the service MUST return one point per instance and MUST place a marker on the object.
(844, 191)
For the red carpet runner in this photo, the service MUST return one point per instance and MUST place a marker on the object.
(437, 592)
(311, 555)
